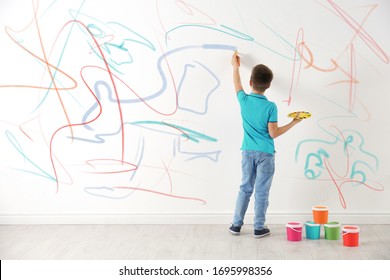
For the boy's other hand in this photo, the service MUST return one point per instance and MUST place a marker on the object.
(298, 117)
(236, 60)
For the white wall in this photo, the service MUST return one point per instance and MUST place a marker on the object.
(139, 122)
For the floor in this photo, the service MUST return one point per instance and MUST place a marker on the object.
(181, 242)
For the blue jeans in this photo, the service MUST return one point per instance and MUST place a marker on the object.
(258, 169)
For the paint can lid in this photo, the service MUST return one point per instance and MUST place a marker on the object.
(350, 229)
(332, 224)
(320, 208)
(294, 224)
(312, 224)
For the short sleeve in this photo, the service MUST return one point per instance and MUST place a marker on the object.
(241, 96)
(273, 117)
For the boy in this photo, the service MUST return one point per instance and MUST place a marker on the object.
(260, 123)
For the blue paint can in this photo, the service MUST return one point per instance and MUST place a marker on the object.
(313, 230)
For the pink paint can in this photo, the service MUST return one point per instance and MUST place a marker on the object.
(294, 231)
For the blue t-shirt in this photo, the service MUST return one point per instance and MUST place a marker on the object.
(256, 113)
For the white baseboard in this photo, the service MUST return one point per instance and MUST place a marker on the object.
(182, 219)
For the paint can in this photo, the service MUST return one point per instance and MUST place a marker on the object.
(332, 231)
(320, 214)
(350, 236)
(313, 230)
(294, 231)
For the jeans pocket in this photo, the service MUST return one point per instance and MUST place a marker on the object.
(266, 163)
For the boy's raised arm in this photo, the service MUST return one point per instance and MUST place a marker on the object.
(236, 72)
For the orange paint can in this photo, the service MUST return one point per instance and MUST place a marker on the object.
(320, 214)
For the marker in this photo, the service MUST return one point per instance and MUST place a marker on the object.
(237, 57)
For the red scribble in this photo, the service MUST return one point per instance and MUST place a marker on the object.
(7, 29)
(46, 61)
(125, 166)
(160, 19)
(359, 31)
(70, 125)
(49, 67)
(96, 99)
(168, 174)
(361, 24)
(169, 113)
(170, 193)
(310, 60)
(352, 81)
(112, 78)
(161, 193)
(189, 10)
(335, 178)
(33, 20)
(346, 152)
(22, 130)
(300, 38)
(102, 41)
(352, 84)
(351, 74)
(307, 55)
(344, 181)
(173, 80)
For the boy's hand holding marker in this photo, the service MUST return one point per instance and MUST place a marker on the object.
(236, 61)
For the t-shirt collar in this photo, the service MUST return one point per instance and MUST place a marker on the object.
(262, 96)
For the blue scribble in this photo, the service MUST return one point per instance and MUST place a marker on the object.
(106, 192)
(14, 142)
(218, 83)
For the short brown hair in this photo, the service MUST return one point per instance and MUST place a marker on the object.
(261, 77)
